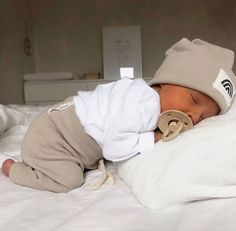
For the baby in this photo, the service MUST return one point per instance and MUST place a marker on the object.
(118, 120)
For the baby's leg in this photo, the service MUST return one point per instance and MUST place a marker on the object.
(69, 176)
(49, 160)
(55, 152)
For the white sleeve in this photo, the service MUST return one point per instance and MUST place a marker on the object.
(129, 132)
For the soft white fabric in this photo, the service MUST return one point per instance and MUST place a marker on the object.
(120, 116)
(197, 165)
(15, 115)
(14, 121)
(24, 208)
(4, 157)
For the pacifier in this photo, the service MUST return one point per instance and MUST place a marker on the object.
(172, 122)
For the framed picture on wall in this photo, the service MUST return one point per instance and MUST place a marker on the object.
(122, 52)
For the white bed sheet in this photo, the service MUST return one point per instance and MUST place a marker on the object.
(112, 208)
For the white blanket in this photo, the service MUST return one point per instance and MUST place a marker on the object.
(112, 208)
(199, 164)
(14, 121)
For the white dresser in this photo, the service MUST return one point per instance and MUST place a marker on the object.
(50, 92)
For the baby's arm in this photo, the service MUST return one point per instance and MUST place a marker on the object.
(128, 132)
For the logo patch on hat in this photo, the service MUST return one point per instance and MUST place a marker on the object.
(225, 86)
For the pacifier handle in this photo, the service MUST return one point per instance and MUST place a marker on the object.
(172, 122)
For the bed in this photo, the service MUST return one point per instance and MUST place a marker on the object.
(111, 208)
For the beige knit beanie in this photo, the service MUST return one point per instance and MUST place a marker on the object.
(201, 66)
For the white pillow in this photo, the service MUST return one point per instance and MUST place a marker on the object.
(197, 165)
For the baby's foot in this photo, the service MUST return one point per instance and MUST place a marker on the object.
(6, 166)
(5, 163)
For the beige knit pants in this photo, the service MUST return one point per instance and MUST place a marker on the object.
(55, 152)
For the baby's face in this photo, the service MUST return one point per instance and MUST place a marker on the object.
(195, 104)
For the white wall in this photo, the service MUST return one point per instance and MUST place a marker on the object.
(67, 34)
(13, 61)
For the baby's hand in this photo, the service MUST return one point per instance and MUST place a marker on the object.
(158, 135)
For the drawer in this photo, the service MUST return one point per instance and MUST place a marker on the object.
(51, 91)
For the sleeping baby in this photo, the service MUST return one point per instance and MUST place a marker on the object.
(119, 120)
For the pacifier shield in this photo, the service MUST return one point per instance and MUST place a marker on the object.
(172, 122)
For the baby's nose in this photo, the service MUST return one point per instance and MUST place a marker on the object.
(195, 117)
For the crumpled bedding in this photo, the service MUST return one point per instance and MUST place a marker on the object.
(111, 208)
(14, 121)
(199, 164)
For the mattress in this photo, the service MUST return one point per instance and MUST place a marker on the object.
(112, 207)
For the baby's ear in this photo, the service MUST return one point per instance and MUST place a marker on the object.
(157, 86)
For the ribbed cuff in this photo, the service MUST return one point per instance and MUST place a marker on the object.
(146, 140)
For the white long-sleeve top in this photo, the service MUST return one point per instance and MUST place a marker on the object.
(120, 116)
